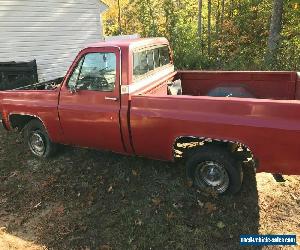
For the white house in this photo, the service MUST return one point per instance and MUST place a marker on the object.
(50, 31)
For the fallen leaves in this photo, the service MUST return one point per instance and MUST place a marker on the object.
(138, 222)
(170, 216)
(294, 197)
(48, 182)
(65, 230)
(156, 201)
(2, 230)
(59, 210)
(140, 208)
(200, 203)
(210, 207)
(90, 198)
(220, 224)
(177, 205)
(189, 183)
(135, 172)
(105, 247)
(13, 174)
(37, 205)
(100, 179)
(3, 200)
(110, 189)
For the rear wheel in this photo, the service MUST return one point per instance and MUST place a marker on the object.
(214, 169)
(37, 139)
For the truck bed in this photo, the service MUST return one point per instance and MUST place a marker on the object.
(261, 85)
(269, 124)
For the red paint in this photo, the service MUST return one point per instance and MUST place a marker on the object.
(87, 118)
(148, 122)
(267, 85)
(271, 129)
(38, 103)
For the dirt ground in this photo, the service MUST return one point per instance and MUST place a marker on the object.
(85, 199)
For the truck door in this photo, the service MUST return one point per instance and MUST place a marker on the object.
(89, 101)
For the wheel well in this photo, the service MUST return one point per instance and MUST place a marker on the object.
(19, 121)
(185, 144)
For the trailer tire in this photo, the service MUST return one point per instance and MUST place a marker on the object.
(215, 170)
(37, 139)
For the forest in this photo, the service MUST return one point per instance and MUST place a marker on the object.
(215, 34)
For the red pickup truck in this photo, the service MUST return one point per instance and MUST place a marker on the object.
(125, 96)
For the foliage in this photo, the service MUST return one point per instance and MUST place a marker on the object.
(238, 34)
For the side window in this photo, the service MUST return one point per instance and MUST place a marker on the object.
(97, 72)
(164, 56)
(149, 59)
(140, 65)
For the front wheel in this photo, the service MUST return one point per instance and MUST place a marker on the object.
(214, 169)
(37, 139)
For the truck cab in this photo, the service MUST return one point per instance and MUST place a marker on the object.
(97, 90)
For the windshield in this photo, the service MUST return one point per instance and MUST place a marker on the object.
(150, 59)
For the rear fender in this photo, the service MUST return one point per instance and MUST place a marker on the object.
(184, 144)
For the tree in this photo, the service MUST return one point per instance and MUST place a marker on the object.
(217, 28)
(222, 13)
(119, 17)
(199, 18)
(215, 34)
(209, 27)
(274, 34)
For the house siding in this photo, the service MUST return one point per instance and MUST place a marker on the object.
(52, 32)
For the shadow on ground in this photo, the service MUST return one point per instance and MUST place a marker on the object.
(85, 199)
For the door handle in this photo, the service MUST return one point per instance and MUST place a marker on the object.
(111, 98)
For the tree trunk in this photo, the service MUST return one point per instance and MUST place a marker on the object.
(274, 35)
(231, 8)
(200, 24)
(153, 27)
(218, 28)
(119, 18)
(209, 27)
(218, 19)
(199, 18)
(222, 13)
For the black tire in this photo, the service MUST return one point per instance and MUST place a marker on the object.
(207, 163)
(44, 147)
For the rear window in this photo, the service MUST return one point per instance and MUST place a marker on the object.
(150, 59)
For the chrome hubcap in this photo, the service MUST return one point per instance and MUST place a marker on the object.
(36, 143)
(212, 175)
